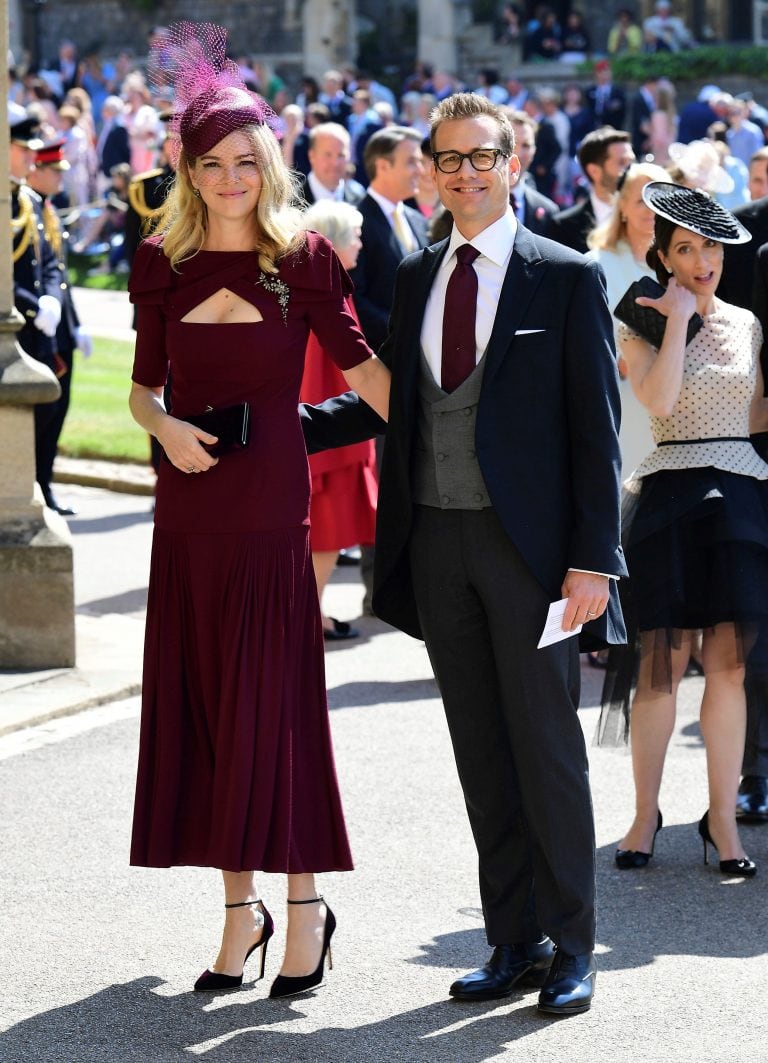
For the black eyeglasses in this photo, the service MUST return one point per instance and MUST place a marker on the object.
(480, 159)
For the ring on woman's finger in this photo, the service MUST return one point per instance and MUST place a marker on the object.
(191, 468)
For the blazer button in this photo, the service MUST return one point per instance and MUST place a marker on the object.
(478, 496)
(440, 456)
(468, 412)
(446, 500)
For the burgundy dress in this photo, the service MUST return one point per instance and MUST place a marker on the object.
(235, 762)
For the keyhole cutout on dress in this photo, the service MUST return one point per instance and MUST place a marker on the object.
(223, 308)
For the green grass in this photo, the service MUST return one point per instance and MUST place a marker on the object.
(78, 268)
(99, 424)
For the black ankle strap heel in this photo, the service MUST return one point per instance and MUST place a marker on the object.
(287, 985)
(211, 981)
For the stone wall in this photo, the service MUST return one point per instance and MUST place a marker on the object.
(268, 29)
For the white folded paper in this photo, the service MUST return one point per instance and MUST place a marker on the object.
(553, 626)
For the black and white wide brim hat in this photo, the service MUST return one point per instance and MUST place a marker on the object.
(692, 209)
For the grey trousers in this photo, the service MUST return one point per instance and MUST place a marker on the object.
(511, 712)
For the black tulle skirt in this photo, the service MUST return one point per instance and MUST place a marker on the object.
(696, 544)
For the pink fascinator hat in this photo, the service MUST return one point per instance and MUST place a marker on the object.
(210, 97)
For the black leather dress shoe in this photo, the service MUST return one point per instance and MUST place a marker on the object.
(752, 802)
(570, 985)
(525, 964)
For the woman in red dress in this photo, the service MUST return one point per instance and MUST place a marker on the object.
(235, 763)
(344, 482)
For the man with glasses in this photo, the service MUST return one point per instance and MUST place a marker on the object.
(499, 495)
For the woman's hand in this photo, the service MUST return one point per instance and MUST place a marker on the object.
(181, 443)
(676, 301)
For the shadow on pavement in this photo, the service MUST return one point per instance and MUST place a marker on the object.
(131, 1022)
(111, 522)
(378, 692)
(134, 601)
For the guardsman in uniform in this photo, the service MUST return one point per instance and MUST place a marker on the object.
(146, 195)
(46, 180)
(37, 292)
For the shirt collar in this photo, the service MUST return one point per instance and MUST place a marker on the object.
(386, 205)
(495, 242)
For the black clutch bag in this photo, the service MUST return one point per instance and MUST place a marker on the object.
(645, 320)
(231, 424)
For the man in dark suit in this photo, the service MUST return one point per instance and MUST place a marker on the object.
(330, 161)
(643, 106)
(604, 155)
(499, 495)
(390, 230)
(606, 101)
(532, 209)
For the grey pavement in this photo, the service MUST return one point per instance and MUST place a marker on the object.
(98, 958)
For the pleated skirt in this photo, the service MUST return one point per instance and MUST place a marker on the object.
(236, 767)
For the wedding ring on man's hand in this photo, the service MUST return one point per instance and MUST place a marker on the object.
(591, 614)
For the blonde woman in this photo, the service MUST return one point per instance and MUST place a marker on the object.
(620, 245)
(235, 764)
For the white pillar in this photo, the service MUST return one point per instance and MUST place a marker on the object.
(329, 35)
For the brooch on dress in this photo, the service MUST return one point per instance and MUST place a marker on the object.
(273, 284)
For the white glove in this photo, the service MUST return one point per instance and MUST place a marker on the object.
(48, 315)
(83, 342)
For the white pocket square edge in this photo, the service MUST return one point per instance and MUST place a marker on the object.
(529, 331)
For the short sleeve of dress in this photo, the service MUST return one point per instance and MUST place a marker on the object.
(321, 285)
(148, 285)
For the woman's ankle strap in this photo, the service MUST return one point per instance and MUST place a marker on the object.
(309, 900)
(242, 904)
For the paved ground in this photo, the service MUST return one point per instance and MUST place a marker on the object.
(98, 959)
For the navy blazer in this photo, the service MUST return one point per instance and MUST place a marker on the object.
(546, 433)
(374, 274)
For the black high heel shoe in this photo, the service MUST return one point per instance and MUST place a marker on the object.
(744, 867)
(629, 859)
(286, 985)
(211, 981)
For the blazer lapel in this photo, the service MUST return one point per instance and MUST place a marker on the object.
(524, 274)
(424, 276)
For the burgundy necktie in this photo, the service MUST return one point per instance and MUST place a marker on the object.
(459, 346)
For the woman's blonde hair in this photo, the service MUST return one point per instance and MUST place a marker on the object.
(335, 220)
(183, 218)
(606, 236)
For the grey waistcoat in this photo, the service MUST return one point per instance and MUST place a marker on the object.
(445, 472)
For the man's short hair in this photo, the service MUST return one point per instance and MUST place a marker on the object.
(761, 155)
(463, 105)
(328, 129)
(383, 144)
(594, 147)
(521, 118)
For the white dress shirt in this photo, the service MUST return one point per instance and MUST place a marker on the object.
(495, 247)
(320, 192)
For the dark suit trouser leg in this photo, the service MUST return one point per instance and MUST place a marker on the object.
(511, 712)
(756, 687)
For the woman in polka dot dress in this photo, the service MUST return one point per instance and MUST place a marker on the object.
(696, 520)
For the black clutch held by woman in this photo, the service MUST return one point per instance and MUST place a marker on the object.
(230, 424)
(646, 321)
